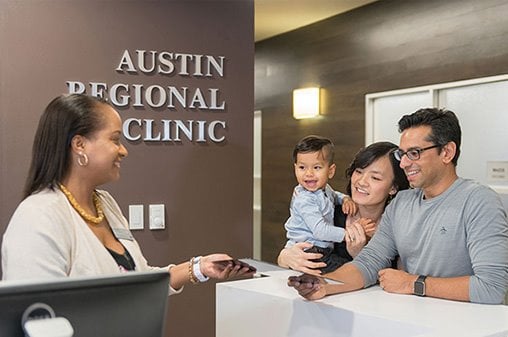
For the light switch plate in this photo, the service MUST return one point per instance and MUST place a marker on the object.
(157, 220)
(136, 217)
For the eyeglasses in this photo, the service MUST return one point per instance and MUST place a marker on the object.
(412, 154)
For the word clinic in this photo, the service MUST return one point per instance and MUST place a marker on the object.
(171, 130)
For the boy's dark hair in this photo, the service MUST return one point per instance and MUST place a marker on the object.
(314, 143)
(443, 123)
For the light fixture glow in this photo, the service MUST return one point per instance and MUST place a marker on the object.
(305, 103)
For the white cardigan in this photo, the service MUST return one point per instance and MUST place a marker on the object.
(47, 238)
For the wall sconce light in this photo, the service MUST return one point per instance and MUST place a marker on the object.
(305, 103)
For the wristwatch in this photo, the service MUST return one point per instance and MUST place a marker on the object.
(419, 286)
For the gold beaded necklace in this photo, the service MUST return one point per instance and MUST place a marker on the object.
(96, 202)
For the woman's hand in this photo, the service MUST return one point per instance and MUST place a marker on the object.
(309, 286)
(222, 267)
(296, 258)
(356, 237)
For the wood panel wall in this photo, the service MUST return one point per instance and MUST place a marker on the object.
(383, 46)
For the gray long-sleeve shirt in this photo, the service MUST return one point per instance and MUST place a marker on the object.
(463, 231)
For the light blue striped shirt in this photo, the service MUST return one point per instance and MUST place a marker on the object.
(311, 218)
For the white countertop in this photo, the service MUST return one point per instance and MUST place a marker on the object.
(370, 311)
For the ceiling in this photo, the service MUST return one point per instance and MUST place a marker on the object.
(273, 17)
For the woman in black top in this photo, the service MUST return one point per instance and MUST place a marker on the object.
(374, 179)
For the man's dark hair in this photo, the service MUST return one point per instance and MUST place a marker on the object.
(443, 123)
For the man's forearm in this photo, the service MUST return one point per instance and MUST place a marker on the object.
(349, 275)
(454, 288)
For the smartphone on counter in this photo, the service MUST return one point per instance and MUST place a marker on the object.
(236, 262)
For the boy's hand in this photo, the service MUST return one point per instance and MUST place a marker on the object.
(348, 206)
(368, 225)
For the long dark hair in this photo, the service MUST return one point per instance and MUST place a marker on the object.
(371, 153)
(64, 117)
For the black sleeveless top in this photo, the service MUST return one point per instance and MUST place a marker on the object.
(339, 220)
(124, 261)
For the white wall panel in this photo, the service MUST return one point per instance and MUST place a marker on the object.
(482, 108)
(483, 115)
(387, 110)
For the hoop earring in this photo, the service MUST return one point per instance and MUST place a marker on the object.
(82, 159)
(390, 198)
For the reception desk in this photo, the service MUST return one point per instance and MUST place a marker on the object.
(267, 307)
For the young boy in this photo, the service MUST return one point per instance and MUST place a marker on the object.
(313, 202)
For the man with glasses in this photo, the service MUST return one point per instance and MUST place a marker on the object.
(451, 233)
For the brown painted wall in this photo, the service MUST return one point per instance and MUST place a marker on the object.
(206, 187)
(383, 46)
